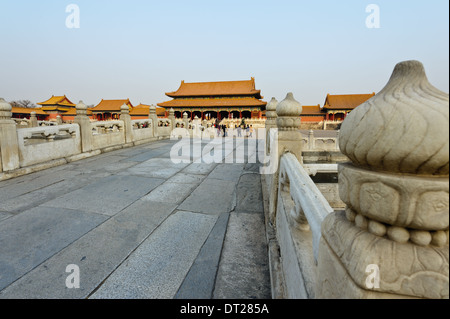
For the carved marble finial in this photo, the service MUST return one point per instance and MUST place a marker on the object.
(5, 106)
(81, 106)
(5, 109)
(289, 106)
(125, 109)
(271, 110)
(402, 129)
(288, 112)
(272, 105)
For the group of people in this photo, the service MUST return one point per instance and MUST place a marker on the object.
(222, 130)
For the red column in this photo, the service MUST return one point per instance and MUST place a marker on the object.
(240, 114)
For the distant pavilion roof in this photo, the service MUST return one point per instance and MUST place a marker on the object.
(27, 110)
(345, 101)
(223, 88)
(144, 109)
(111, 105)
(61, 103)
(311, 110)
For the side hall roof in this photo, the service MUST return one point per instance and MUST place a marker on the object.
(111, 105)
(345, 101)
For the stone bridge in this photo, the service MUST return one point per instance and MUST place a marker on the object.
(118, 210)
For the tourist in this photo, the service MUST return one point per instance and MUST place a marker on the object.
(247, 130)
(239, 131)
(251, 131)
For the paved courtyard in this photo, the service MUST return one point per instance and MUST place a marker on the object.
(136, 225)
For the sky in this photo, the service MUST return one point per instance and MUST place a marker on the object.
(141, 49)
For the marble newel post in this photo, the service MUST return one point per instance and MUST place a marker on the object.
(33, 119)
(172, 119)
(85, 126)
(9, 147)
(271, 120)
(289, 140)
(152, 115)
(392, 239)
(185, 121)
(126, 118)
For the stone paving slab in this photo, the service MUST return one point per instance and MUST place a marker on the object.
(199, 168)
(157, 268)
(244, 267)
(184, 178)
(108, 195)
(28, 239)
(248, 194)
(169, 192)
(98, 253)
(199, 282)
(227, 172)
(50, 192)
(142, 157)
(94, 164)
(4, 215)
(212, 196)
(9, 189)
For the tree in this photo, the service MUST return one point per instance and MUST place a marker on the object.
(23, 103)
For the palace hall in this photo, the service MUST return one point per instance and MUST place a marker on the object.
(220, 100)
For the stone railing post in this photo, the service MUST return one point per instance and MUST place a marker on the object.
(127, 126)
(172, 119)
(84, 122)
(59, 120)
(9, 147)
(289, 140)
(311, 145)
(288, 124)
(152, 115)
(185, 121)
(271, 120)
(33, 120)
(392, 239)
(337, 140)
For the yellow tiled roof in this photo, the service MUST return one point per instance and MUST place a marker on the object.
(58, 100)
(111, 105)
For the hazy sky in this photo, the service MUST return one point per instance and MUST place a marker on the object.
(142, 49)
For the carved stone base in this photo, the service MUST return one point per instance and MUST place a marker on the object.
(406, 270)
(416, 202)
